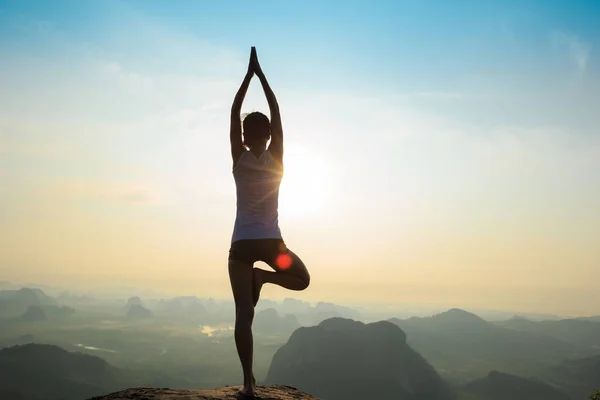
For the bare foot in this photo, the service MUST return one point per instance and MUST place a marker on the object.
(247, 392)
(257, 284)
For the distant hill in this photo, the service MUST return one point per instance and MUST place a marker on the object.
(294, 306)
(135, 310)
(6, 285)
(342, 311)
(501, 386)
(58, 311)
(463, 346)
(188, 307)
(491, 315)
(316, 317)
(45, 372)
(14, 303)
(41, 313)
(269, 322)
(138, 311)
(341, 359)
(582, 332)
(33, 314)
(73, 299)
(18, 340)
(134, 301)
(308, 314)
(576, 377)
(263, 304)
(589, 318)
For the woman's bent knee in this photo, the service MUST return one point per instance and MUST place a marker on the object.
(306, 280)
(299, 269)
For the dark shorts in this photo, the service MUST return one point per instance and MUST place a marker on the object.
(252, 250)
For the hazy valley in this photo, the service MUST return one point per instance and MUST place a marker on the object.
(75, 346)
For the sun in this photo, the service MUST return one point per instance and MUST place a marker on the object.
(307, 185)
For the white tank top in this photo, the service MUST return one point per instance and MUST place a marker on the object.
(257, 181)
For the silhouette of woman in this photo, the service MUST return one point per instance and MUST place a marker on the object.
(257, 171)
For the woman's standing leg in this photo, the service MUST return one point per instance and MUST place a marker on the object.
(241, 277)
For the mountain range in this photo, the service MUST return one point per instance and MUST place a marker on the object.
(579, 332)
(462, 345)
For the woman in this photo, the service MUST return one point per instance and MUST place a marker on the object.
(257, 171)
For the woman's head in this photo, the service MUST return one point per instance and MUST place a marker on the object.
(257, 129)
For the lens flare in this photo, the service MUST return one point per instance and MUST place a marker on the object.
(283, 261)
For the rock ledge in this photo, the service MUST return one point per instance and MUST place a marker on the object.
(274, 392)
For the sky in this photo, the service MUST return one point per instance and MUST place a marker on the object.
(436, 153)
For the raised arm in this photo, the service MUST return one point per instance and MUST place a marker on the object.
(235, 128)
(276, 146)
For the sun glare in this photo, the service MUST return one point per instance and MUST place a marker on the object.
(307, 184)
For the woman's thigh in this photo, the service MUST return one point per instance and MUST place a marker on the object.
(288, 262)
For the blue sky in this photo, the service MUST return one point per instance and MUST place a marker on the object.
(414, 44)
(432, 129)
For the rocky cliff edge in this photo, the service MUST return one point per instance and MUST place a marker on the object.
(274, 392)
